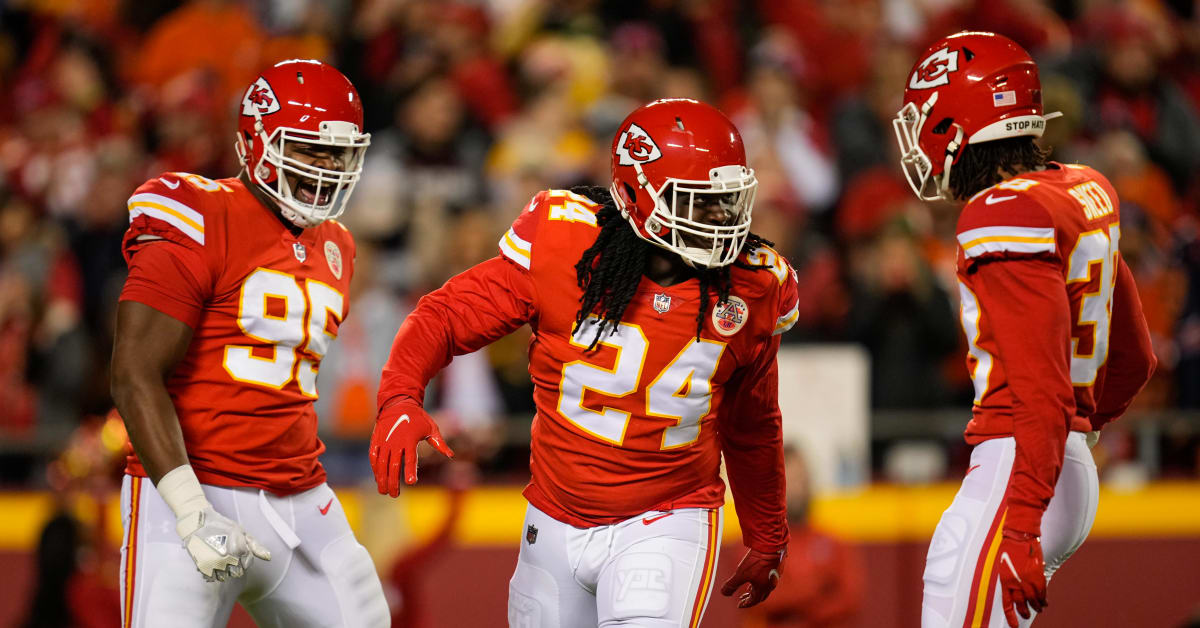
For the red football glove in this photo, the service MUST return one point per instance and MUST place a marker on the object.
(399, 428)
(761, 571)
(1022, 574)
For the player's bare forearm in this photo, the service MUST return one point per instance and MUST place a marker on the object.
(147, 347)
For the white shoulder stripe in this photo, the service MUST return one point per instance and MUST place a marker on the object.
(169, 210)
(976, 242)
(786, 321)
(515, 249)
(159, 199)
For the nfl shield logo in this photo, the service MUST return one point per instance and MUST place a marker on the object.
(531, 534)
(662, 303)
(298, 249)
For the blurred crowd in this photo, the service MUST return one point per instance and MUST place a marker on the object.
(475, 106)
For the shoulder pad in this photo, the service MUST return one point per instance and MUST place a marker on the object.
(176, 199)
(1006, 219)
(784, 282)
(559, 205)
(770, 260)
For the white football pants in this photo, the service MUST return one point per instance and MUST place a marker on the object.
(654, 570)
(318, 574)
(960, 571)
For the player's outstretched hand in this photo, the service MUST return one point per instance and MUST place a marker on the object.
(399, 428)
(758, 569)
(1022, 575)
(218, 545)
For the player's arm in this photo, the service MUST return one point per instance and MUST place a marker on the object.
(751, 437)
(160, 305)
(147, 346)
(1131, 359)
(472, 310)
(1026, 303)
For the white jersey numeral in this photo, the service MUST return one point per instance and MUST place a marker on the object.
(295, 323)
(1093, 249)
(681, 391)
(979, 361)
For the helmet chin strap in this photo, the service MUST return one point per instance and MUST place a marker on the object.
(953, 150)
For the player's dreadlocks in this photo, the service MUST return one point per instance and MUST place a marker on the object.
(611, 269)
(981, 165)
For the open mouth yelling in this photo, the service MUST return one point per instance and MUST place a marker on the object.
(307, 193)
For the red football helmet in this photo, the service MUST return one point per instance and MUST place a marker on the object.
(312, 103)
(672, 156)
(967, 88)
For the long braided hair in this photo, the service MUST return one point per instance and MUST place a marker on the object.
(610, 270)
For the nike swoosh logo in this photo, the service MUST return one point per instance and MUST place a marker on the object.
(992, 200)
(1004, 559)
(326, 508)
(169, 184)
(970, 470)
(403, 419)
(649, 520)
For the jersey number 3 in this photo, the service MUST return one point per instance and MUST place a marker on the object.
(1089, 342)
(295, 323)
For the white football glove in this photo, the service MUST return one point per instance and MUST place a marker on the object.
(1092, 438)
(217, 544)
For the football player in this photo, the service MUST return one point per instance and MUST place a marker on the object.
(236, 289)
(656, 317)
(1058, 345)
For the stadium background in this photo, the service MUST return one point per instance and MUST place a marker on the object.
(474, 106)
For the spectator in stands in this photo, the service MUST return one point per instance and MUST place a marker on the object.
(67, 595)
(900, 311)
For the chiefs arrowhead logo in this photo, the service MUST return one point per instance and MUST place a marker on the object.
(636, 146)
(260, 99)
(934, 70)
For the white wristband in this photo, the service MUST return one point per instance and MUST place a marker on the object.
(180, 488)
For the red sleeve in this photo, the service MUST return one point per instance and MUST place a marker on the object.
(472, 310)
(751, 436)
(517, 243)
(1026, 302)
(789, 300)
(1131, 358)
(172, 278)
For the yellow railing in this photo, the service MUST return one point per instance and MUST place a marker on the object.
(492, 516)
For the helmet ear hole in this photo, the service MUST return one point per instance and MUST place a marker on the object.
(942, 126)
(630, 193)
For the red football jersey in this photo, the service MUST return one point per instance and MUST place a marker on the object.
(1043, 324)
(640, 422)
(263, 304)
